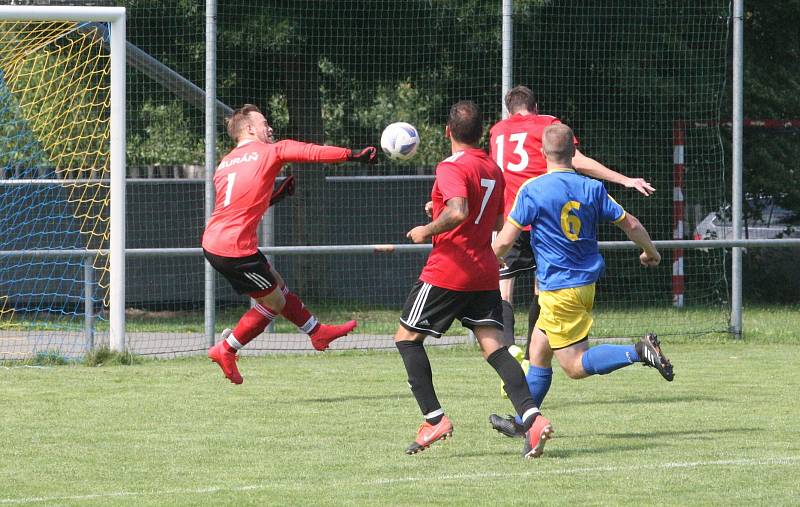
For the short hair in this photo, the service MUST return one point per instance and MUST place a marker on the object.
(465, 122)
(557, 143)
(237, 120)
(521, 98)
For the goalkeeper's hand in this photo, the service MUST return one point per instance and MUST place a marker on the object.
(368, 155)
(285, 189)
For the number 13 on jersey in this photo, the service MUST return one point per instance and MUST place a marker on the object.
(519, 150)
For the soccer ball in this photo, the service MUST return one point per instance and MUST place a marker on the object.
(399, 141)
(516, 352)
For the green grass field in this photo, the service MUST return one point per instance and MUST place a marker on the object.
(330, 429)
(775, 323)
(764, 323)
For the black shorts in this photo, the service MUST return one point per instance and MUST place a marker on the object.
(431, 310)
(519, 258)
(248, 275)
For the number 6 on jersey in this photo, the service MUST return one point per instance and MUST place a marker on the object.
(570, 224)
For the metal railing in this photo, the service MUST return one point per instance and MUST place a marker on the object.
(89, 254)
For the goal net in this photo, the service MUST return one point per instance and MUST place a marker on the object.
(55, 161)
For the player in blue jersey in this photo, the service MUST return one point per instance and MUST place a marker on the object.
(564, 210)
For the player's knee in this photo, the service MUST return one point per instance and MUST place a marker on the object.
(275, 300)
(507, 289)
(575, 373)
(574, 370)
(404, 335)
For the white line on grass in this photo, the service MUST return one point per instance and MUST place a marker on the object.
(789, 460)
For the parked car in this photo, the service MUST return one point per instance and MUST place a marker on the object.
(771, 221)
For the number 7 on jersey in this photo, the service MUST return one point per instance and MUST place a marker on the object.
(489, 186)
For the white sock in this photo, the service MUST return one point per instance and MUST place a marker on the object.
(529, 415)
(233, 342)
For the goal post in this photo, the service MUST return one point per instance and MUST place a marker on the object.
(67, 88)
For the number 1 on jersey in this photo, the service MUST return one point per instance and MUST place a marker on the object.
(229, 188)
(489, 186)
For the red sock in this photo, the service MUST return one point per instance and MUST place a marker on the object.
(297, 313)
(250, 325)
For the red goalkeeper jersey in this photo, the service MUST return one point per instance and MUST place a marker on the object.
(516, 146)
(243, 183)
(462, 258)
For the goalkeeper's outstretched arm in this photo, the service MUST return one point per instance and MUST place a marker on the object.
(296, 151)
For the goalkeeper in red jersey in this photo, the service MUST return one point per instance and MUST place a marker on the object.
(243, 182)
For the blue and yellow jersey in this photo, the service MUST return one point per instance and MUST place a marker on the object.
(564, 210)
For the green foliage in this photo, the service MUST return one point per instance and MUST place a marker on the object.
(19, 149)
(771, 67)
(47, 358)
(278, 112)
(771, 275)
(167, 138)
(42, 359)
(402, 101)
(103, 356)
(405, 102)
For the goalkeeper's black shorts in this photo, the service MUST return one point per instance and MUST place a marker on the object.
(251, 275)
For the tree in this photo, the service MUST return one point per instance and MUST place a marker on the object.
(771, 70)
(771, 67)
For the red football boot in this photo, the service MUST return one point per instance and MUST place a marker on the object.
(323, 336)
(226, 360)
(429, 433)
(536, 437)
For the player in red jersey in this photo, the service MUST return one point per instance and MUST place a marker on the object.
(460, 278)
(243, 182)
(516, 146)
